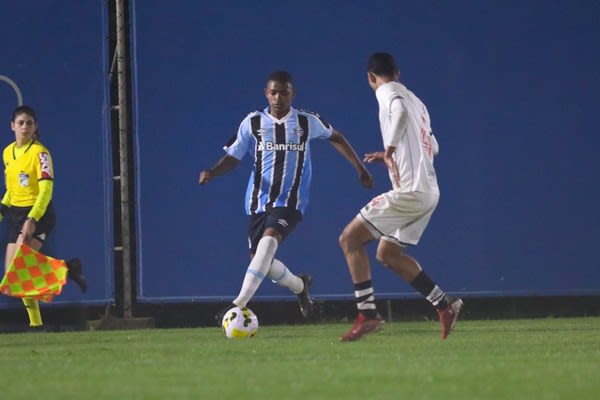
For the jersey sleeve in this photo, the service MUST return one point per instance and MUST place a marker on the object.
(42, 200)
(45, 175)
(318, 127)
(398, 120)
(44, 168)
(240, 143)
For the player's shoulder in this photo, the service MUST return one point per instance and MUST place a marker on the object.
(395, 89)
(312, 115)
(254, 113)
(304, 111)
(39, 147)
(8, 147)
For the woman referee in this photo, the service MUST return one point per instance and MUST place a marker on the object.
(27, 203)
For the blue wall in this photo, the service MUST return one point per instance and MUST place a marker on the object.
(512, 91)
(53, 51)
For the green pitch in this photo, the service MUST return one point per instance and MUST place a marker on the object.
(508, 359)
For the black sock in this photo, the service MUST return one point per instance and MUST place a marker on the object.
(365, 300)
(424, 285)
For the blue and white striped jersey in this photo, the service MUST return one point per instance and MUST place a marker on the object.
(281, 151)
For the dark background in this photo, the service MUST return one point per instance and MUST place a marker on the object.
(512, 89)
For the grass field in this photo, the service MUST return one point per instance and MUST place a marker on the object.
(500, 359)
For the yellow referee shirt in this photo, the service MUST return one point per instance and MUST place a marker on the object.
(24, 169)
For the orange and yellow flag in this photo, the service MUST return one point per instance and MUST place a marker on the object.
(35, 275)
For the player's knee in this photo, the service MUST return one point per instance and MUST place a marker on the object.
(345, 240)
(342, 240)
(384, 256)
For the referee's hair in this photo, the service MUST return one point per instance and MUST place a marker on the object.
(280, 76)
(382, 64)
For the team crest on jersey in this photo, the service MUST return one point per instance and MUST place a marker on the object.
(23, 179)
(299, 131)
(45, 165)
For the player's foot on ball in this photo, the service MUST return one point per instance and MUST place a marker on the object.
(304, 300)
(449, 315)
(219, 315)
(75, 273)
(363, 326)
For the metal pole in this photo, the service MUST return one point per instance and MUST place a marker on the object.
(121, 54)
(15, 88)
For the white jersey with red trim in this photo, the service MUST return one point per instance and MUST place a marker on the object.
(405, 124)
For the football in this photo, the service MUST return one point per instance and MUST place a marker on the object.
(239, 323)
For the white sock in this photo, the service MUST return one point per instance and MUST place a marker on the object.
(281, 275)
(258, 268)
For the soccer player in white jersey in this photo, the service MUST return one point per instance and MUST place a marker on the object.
(398, 217)
(278, 138)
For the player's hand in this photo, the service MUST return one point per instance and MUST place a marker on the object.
(373, 157)
(366, 179)
(28, 230)
(205, 177)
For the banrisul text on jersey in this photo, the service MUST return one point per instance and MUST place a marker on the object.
(281, 150)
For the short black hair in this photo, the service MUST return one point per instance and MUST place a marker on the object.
(382, 64)
(280, 76)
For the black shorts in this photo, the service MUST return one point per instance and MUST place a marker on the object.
(16, 216)
(282, 219)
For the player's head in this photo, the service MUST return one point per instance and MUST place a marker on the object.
(279, 93)
(382, 65)
(24, 122)
(24, 110)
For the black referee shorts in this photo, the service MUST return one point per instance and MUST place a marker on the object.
(16, 216)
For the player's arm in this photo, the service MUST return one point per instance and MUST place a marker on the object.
(46, 187)
(224, 165)
(341, 144)
(398, 119)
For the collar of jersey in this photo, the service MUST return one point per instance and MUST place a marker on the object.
(286, 116)
(27, 146)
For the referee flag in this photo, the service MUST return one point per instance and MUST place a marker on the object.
(34, 275)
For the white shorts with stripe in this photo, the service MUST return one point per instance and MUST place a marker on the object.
(399, 217)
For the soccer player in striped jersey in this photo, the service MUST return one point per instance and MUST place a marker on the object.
(278, 139)
(398, 217)
(27, 202)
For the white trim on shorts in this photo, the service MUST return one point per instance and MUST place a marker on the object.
(399, 217)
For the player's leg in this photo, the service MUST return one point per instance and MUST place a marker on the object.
(414, 212)
(258, 268)
(16, 218)
(31, 305)
(284, 221)
(274, 226)
(251, 282)
(392, 255)
(11, 249)
(353, 239)
(280, 274)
